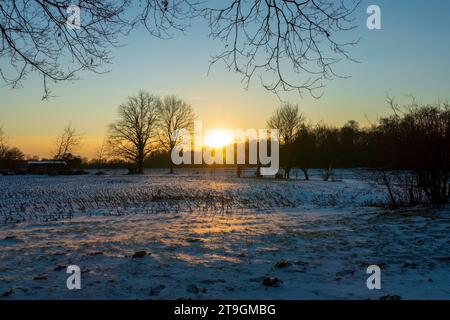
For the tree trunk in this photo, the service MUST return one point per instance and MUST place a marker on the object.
(287, 172)
(387, 184)
(305, 172)
(170, 160)
(258, 171)
(140, 165)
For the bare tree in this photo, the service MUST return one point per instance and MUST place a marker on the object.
(3, 146)
(101, 153)
(293, 43)
(271, 38)
(13, 154)
(415, 139)
(174, 114)
(304, 147)
(66, 143)
(288, 121)
(131, 136)
(6, 152)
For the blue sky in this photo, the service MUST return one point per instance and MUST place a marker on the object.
(410, 55)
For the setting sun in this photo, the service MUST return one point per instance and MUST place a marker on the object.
(217, 138)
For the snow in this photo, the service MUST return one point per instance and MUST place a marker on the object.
(214, 236)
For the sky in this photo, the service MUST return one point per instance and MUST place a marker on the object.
(409, 55)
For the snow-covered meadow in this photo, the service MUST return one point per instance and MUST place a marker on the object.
(209, 235)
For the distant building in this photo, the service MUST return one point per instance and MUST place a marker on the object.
(46, 167)
(13, 166)
(31, 167)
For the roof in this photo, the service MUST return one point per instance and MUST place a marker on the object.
(47, 162)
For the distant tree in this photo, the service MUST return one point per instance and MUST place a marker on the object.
(174, 114)
(3, 145)
(416, 139)
(66, 143)
(32, 157)
(72, 161)
(131, 137)
(350, 132)
(288, 121)
(304, 148)
(101, 157)
(157, 159)
(327, 145)
(13, 154)
(350, 143)
(9, 153)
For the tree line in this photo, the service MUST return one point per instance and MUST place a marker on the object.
(409, 148)
(146, 124)
(407, 151)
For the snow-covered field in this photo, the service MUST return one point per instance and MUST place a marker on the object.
(209, 235)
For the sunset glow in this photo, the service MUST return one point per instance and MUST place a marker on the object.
(217, 138)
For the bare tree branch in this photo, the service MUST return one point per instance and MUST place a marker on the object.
(290, 45)
(34, 36)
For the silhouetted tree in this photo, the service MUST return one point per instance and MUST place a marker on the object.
(288, 121)
(327, 146)
(13, 154)
(66, 143)
(9, 153)
(8, 156)
(174, 114)
(417, 139)
(157, 159)
(131, 136)
(350, 143)
(101, 156)
(72, 161)
(304, 149)
(3, 145)
(35, 36)
(280, 37)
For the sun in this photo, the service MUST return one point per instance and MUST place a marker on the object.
(217, 138)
